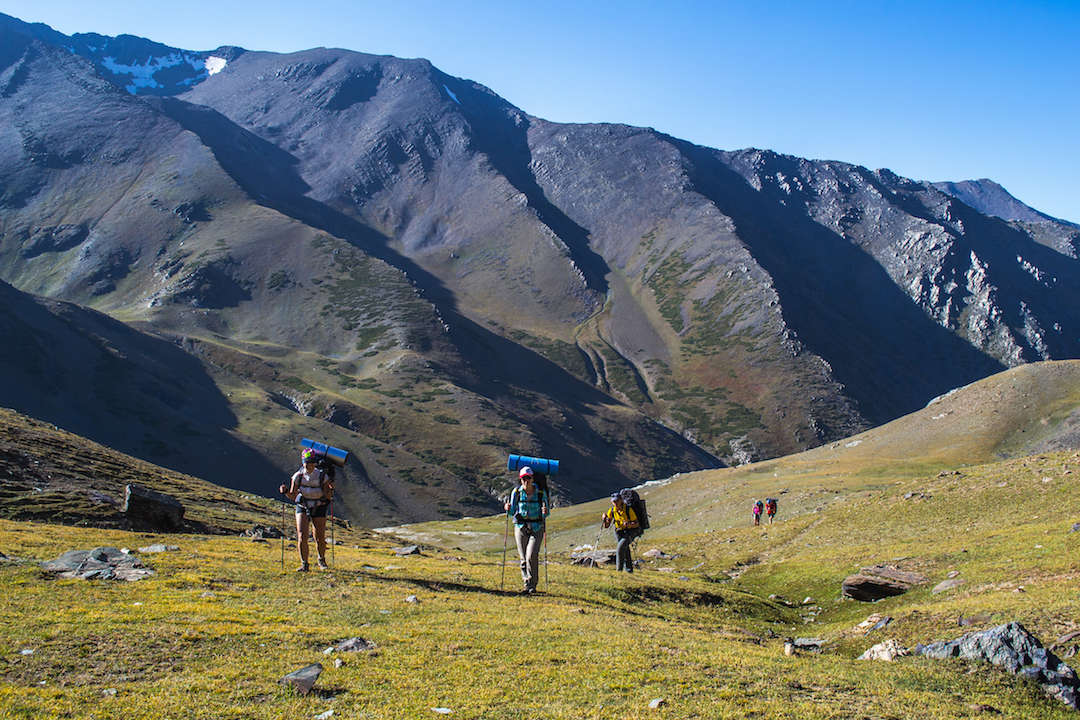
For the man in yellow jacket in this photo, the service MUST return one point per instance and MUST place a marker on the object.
(625, 520)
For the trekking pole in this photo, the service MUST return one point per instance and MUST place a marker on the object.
(547, 585)
(282, 537)
(506, 531)
(333, 552)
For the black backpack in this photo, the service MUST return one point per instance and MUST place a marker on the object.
(635, 501)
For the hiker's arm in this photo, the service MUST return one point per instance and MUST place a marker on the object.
(605, 521)
(291, 492)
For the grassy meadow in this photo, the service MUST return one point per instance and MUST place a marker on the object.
(982, 493)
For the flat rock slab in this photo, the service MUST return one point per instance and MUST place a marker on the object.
(151, 549)
(101, 563)
(946, 585)
(304, 678)
(592, 558)
(880, 581)
(407, 550)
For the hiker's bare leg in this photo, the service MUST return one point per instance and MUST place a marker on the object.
(302, 536)
(320, 537)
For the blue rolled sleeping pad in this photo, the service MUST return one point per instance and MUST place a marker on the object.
(333, 454)
(540, 465)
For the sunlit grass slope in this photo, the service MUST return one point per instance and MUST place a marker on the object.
(210, 635)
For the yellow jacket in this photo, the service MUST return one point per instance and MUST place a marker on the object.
(621, 518)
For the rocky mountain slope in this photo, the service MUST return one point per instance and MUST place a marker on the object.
(368, 250)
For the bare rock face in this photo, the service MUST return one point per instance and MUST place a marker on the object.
(1013, 648)
(151, 509)
(880, 581)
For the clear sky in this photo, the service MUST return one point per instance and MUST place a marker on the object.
(941, 90)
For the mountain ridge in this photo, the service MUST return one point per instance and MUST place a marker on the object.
(420, 259)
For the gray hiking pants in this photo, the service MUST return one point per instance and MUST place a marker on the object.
(623, 561)
(528, 547)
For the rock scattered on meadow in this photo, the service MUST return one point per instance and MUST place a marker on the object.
(158, 548)
(152, 509)
(657, 703)
(946, 585)
(101, 563)
(407, 550)
(592, 558)
(886, 651)
(880, 581)
(354, 644)
(304, 678)
(1016, 650)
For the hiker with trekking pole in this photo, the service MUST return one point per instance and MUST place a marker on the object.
(529, 505)
(628, 525)
(312, 491)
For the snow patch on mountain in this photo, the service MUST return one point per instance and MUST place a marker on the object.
(215, 64)
(142, 75)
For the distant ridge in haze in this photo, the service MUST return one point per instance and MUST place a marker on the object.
(989, 198)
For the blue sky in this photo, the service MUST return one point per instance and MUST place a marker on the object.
(932, 90)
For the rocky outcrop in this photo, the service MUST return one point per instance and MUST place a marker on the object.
(880, 581)
(150, 509)
(1013, 648)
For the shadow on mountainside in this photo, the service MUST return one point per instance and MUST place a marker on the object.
(504, 140)
(99, 378)
(488, 364)
(841, 303)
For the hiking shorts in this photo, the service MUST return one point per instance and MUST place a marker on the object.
(312, 508)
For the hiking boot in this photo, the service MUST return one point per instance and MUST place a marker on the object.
(302, 568)
(323, 565)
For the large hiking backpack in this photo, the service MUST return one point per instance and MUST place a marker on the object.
(758, 507)
(770, 506)
(635, 501)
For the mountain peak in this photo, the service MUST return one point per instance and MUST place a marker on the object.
(990, 198)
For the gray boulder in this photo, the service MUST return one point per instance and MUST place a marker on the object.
(1015, 649)
(151, 509)
(407, 550)
(354, 644)
(304, 678)
(101, 563)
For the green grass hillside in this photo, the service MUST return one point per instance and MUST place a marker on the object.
(980, 485)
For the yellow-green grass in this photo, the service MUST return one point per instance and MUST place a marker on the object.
(221, 622)
(212, 632)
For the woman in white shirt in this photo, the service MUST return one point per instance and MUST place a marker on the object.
(311, 490)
